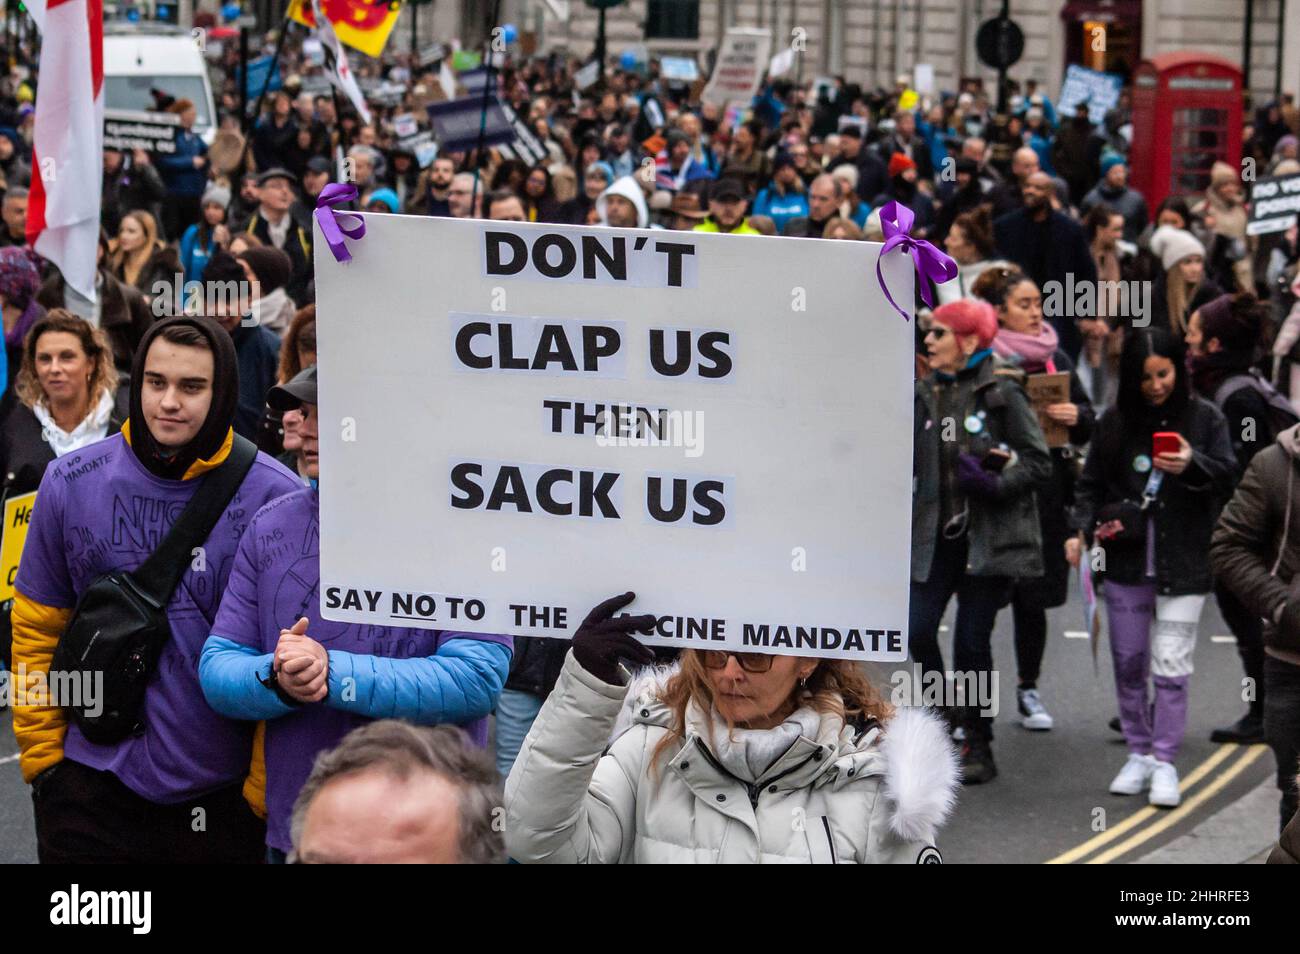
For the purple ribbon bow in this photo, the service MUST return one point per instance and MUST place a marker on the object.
(896, 221)
(331, 225)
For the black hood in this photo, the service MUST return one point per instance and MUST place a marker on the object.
(225, 396)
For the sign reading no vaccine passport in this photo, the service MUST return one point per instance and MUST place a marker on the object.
(519, 421)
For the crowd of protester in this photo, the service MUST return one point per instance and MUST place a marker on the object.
(1178, 394)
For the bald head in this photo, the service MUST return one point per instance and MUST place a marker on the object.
(1037, 191)
(1024, 162)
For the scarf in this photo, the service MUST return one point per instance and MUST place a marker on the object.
(172, 465)
(1032, 353)
(749, 753)
(1208, 371)
(94, 427)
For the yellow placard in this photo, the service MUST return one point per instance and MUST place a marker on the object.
(18, 516)
(908, 100)
(361, 24)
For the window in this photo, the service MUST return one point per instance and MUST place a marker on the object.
(136, 92)
(672, 20)
(1200, 139)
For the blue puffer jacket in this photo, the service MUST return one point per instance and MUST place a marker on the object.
(459, 683)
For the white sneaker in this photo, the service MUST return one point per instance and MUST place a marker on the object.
(1164, 786)
(1035, 714)
(1135, 776)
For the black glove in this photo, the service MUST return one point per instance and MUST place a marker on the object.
(603, 639)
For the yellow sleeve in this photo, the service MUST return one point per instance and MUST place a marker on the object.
(40, 728)
(255, 784)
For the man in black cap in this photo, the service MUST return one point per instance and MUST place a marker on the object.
(275, 226)
(727, 210)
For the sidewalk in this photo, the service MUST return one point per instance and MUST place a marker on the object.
(1242, 833)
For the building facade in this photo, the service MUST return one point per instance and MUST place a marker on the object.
(873, 41)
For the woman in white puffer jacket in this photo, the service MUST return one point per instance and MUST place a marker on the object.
(724, 758)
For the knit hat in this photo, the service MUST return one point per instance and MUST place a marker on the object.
(1221, 172)
(967, 316)
(19, 278)
(898, 162)
(271, 266)
(1173, 245)
(388, 197)
(216, 195)
(1236, 329)
(604, 168)
(1110, 161)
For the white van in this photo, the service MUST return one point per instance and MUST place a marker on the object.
(138, 59)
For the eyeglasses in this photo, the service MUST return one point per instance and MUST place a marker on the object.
(750, 662)
(936, 332)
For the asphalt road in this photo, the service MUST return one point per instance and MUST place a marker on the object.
(1049, 801)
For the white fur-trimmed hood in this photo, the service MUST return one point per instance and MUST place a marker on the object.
(921, 773)
(913, 754)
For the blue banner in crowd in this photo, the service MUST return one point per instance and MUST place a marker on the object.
(257, 73)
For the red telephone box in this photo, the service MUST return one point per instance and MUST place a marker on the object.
(1187, 116)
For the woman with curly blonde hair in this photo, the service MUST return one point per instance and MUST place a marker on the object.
(714, 759)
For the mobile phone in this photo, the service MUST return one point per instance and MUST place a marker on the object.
(995, 458)
(1165, 442)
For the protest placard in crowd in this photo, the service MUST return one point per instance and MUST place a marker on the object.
(127, 130)
(684, 415)
(1274, 204)
(1082, 85)
(739, 69)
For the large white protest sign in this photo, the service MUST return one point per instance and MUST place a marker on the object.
(742, 59)
(518, 421)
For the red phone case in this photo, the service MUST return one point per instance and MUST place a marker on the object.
(1164, 442)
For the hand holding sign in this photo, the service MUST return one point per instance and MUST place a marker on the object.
(602, 639)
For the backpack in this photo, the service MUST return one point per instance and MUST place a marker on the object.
(1281, 414)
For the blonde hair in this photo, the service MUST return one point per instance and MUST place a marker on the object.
(129, 266)
(1178, 293)
(847, 229)
(837, 686)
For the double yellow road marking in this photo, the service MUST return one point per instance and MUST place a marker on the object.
(1166, 818)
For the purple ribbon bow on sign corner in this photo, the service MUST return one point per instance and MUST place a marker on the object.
(896, 221)
(331, 220)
